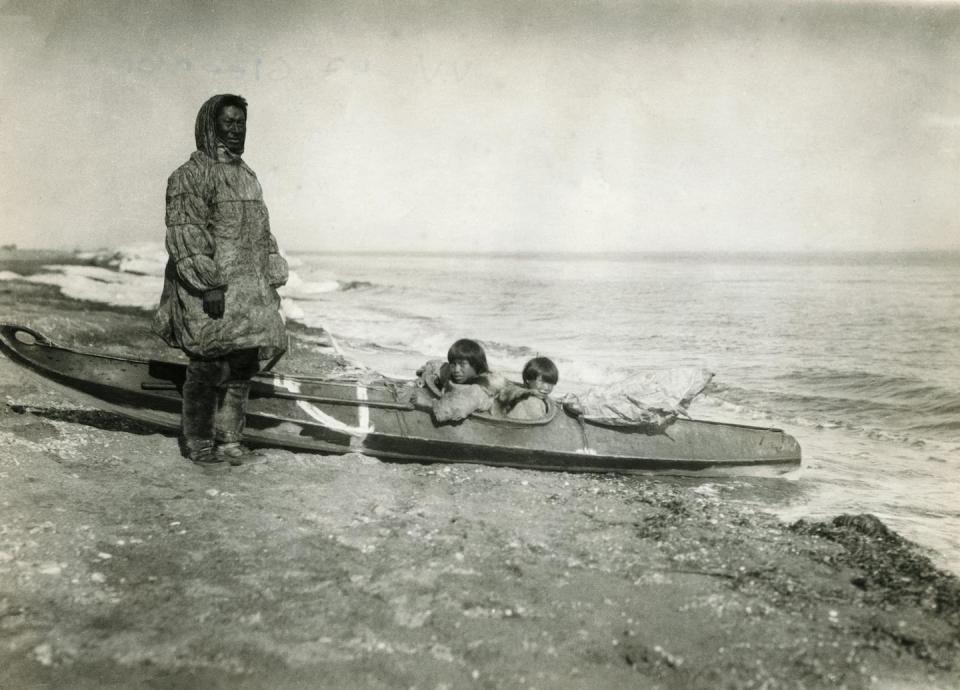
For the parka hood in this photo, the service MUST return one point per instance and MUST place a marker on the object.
(205, 130)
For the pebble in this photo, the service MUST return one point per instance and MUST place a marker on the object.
(51, 569)
(98, 577)
(5, 557)
(104, 556)
(672, 660)
(44, 654)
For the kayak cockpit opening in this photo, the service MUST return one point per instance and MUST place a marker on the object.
(487, 417)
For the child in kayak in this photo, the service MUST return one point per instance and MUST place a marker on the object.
(540, 375)
(464, 382)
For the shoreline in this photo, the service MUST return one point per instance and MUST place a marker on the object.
(122, 563)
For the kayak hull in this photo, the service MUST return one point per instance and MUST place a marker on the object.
(377, 419)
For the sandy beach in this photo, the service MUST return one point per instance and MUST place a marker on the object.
(122, 564)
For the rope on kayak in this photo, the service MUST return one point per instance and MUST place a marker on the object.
(333, 341)
(586, 450)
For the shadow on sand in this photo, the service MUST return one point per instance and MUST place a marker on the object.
(108, 421)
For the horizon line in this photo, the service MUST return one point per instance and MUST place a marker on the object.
(616, 252)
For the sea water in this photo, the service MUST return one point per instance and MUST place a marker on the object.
(852, 354)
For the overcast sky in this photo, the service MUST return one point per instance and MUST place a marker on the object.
(495, 126)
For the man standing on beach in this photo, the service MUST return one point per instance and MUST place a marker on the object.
(220, 303)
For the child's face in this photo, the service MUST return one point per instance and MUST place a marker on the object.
(539, 385)
(461, 370)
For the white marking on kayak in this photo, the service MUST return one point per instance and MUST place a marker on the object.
(363, 412)
(359, 432)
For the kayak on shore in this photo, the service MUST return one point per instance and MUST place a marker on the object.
(392, 420)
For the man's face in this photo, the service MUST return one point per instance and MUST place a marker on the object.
(232, 128)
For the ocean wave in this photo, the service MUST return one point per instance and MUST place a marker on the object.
(299, 289)
(897, 423)
(509, 351)
(948, 425)
(356, 285)
(900, 401)
(895, 386)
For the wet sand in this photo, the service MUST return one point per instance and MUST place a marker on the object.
(121, 564)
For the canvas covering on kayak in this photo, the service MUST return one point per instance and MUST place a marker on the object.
(653, 399)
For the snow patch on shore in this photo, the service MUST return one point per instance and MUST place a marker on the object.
(132, 276)
(96, 284)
